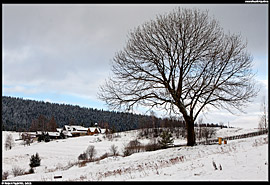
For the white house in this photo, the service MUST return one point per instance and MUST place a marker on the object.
(76, 130)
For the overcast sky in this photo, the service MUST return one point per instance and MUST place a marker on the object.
(63, 53)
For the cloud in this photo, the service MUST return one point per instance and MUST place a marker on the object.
(20, 89)
(57, 51)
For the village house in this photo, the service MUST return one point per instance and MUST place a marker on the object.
(28, 136)
(75, 130)
(66, 131)
(52, 135)
(93, 130)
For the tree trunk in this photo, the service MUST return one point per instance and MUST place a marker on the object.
(190, 131)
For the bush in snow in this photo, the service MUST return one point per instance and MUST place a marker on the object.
(152, 145)
(208, 132)
(47, 138)
(9, 143)
(5, 175)
(82, 156)
(127, 151)
(113, 150)
(91, 152)
(31, 171)
(34, 161)
(44, 137)
(134, 146)
(17, 171)
(40, 137)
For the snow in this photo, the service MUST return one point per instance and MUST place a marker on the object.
(240, 160)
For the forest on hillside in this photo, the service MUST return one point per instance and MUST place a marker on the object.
(18, 114)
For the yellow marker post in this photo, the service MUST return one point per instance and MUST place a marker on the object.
(219, 140)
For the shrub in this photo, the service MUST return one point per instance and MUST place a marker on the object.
(5, 175)
(40, 138)
(152, 146)
(34, 161)
(208, 132)
(133, 146)
(82, 156)
(47, 138)
(113, 150)
(27, 141)
(127, 151)
(17, 171)
(31, 171)
(44, 137)
(91, 152)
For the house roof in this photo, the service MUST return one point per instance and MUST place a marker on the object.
(67, 133)
(59, 129)
(92, 129)
(54, 133)
(80, 128)
(103, 130)
(75, 128)
(67, 127)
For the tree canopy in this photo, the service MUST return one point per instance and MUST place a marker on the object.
(181, 62)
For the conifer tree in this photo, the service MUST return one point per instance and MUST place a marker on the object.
(166, 139)
(34, 161)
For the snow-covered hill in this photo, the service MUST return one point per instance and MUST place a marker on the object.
(243, 159)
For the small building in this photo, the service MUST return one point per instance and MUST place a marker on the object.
(75, 130)
(93, 131)
(54, 135)
(28, 135)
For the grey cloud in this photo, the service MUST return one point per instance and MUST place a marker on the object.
(60, 45)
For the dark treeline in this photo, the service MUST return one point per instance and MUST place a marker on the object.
(19, 115)
(27, 115)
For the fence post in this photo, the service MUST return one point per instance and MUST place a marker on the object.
(219, 140)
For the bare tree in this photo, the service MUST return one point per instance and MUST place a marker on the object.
(91, 152)
(221, 124)
(199, 130)
(182, 62)
(208, 132)
(263, 123)
(9, 142)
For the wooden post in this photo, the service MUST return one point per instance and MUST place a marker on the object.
(219, 140)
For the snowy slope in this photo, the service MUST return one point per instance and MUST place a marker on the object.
(243, 159)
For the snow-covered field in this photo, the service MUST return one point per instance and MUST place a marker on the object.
(240, 160)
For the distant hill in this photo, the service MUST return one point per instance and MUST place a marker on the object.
(18, 113)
